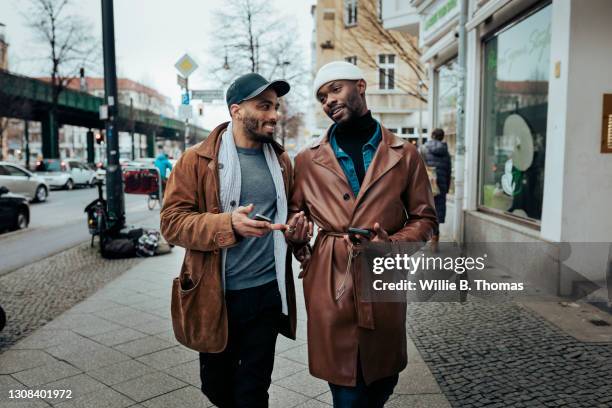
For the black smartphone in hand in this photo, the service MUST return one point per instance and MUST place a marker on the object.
(358, 231)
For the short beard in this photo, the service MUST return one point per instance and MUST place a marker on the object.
(251, 125)
(353, 106)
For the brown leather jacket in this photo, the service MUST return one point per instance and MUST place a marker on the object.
(395, 193)
(191, 218)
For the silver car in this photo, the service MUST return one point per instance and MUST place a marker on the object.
(65, 174)
(21, 181)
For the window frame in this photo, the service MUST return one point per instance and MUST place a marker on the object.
(351, 59)
(383, 69)
(350, 5)
(484, 37)
(9, 167)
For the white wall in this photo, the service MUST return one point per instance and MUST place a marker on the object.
(587, 194)
(556, 131)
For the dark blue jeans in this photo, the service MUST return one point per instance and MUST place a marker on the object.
(361, 395)
(240, 375)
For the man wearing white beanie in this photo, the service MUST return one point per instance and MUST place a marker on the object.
(362, 176)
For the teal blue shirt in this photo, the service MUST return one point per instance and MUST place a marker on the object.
(347, 165)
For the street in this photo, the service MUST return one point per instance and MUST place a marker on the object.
(59, 224)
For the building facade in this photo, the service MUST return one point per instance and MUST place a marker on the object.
(352, 30)
(536, 169)
(3, 48)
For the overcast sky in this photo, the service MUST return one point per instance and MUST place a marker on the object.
(150, 36)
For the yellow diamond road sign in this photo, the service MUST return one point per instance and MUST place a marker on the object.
(186, 65)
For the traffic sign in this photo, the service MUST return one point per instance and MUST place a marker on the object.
(185, 99)
(185, 112)
(103, 112)
(186, 65)
(181, 81)
(207, 95)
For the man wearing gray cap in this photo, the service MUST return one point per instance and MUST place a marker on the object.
(359, 177)
(226, 204)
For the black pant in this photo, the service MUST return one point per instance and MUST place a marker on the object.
(361, 395)
(241, 374)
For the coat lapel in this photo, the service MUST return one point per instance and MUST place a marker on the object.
(387, 156)
(325, 157)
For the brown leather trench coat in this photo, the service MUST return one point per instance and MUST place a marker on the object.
(395, 193)
(191, 218)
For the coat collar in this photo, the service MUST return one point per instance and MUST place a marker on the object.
(209, 147)
(387, 155)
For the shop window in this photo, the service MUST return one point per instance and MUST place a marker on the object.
(350, 12)
(386, 71)
(446, 81)
(515, 102)
(408, 131)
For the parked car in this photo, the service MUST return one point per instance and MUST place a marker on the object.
(2, 318)
(99, 168)
(65, 174)
(21, 181)
(14, 211)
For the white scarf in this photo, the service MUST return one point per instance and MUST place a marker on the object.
(230, 180)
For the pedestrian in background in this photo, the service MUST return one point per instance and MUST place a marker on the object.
(164, 165)
(363, 176)
(435, 153)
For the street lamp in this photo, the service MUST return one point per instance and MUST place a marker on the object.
(420, 140)
(226, 64)
(283, 106)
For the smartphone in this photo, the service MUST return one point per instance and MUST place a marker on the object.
(353, 232)
(260, 217)
(361, 231)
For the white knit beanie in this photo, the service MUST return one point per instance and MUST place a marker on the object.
(334, 71)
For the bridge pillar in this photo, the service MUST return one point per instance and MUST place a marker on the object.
(50, 137)
(151, 145)
(91, 154)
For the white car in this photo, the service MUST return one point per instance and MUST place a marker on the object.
(65, 173)
(21, 181)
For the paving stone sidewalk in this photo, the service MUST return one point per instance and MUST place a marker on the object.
(117, 349)
(37, 293)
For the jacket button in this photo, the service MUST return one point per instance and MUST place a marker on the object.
(233, 203)
(220, 165)
(346, 196)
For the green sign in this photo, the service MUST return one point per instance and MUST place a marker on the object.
(440, 13)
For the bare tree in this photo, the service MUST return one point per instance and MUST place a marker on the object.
(250, 36)
(69, 44)
(369, 38)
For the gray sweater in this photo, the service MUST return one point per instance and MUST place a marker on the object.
(251, 262)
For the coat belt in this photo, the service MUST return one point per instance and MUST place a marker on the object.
(365, 316)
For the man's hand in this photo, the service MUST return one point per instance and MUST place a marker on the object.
(378, 235)
(247, 227)
(381, 234)
(299, 230)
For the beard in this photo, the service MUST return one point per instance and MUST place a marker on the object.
(252, 126)
(352, 107)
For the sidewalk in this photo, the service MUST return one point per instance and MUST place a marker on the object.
(117, 349)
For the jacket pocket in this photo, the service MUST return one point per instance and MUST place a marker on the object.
(187, 284)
